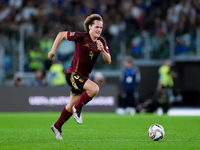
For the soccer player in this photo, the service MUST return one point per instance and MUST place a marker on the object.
(88, 46)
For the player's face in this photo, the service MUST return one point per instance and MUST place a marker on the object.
(96, 29)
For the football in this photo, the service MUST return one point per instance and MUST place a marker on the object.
(156, 132)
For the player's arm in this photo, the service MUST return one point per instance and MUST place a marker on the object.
(173, 74)
(106, 56)
(57, 41)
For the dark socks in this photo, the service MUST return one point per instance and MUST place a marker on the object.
(83, 100)
(65, 115)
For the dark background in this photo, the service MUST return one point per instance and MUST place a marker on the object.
(15, 99)
(188, 82)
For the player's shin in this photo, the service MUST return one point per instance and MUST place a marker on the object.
(65, 115)
(83, 100)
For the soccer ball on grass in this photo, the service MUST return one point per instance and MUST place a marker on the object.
(156, 132)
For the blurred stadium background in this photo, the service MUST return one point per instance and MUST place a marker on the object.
(149, 30)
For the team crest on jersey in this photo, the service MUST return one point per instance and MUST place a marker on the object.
(87, 45)
(72, 33)
(80, 80)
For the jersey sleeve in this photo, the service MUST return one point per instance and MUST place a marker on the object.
(106, 48)
(72, 36)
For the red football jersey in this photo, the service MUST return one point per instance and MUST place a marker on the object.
(85, 54)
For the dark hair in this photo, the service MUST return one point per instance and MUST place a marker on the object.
(90, 21)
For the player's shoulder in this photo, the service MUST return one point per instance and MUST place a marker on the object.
(82, 34)
(75, 35)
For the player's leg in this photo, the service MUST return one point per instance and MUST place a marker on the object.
(90, 90)
(74, 98)
(124, 99)
(86, 87)
(65, 115)
(67, 110)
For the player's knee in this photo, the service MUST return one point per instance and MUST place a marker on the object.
(95, 90)
(68, 107)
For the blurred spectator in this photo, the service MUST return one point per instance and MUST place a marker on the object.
(117, 27)
(36, 59)
(164, 93)
(123, 20)
(161, 28)
(4, 12)
(137, 44)
(173, 12)
(55, 14)
(166, 75)
(57, 74)
(29, 10)
(28, 27)
(182, 39)
(17, 81)
(5, 47)
(159, 40)
(16, 4)
(137, 13)
(40, 79)
(18, 16)
(129, 82)
(99, 79)
(45, 46)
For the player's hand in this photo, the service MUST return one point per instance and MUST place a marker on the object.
(100, 45)
(51, 55)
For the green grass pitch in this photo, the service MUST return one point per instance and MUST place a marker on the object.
(99, 131)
